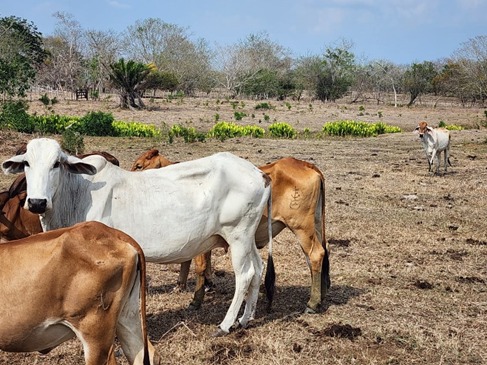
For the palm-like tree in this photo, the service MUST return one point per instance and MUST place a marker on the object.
(129, 77)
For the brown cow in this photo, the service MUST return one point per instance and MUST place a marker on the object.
(86, 281)
(150, 160)
(298, 203)
(15, 221)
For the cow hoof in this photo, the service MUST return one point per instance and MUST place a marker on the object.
(194, 306)
(309, 310)
(219, 333)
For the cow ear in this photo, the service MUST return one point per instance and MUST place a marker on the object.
(416, 130)
(429, 128)
(78, 166)
(14, 165)
(153, 153)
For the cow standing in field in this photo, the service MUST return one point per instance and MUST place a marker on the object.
(435, 141)
(86, 281)
(298, 203)
(17, 222)
(174, 213)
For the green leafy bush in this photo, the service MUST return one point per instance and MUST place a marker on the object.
(282, 130)
(225, 130)
(134, 129)
(189, 134)
(264, 106)
(453, 127)
(14, 116)
(360, 129)
(54, 123)
(97, 124)
(72, 141)
(239, 115)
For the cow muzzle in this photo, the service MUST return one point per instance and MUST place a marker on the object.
(37, 206)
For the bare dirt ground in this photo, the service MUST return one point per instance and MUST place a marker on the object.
(409, 249)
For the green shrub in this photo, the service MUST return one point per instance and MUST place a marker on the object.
(97, 124)
(264, 106)
(453, 127)
(239, 115)
(14, 116)
(134, 129)
(282, 130)
(360, 129)
(54, 123)
(189, 134)
(225, 130)
(72, 141)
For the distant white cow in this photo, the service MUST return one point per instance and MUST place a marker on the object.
(435, 141)
(175, 213)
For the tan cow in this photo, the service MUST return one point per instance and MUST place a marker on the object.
(86, 281)
(298, 203)
(150, 160)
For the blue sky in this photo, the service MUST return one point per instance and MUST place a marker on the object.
(401, 31)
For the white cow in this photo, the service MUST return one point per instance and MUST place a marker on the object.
(174, 213)
(435, 141)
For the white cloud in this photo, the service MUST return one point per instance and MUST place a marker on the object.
(118, 4)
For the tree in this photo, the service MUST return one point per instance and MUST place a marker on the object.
(159, 80)
(418, 79)
(337, 72)
(68, 58)
(378, 78)
(129, 77)
(306, 72)
(103, 49)
(472, 61)
(21, 54)
(249, 61)
(170, 48)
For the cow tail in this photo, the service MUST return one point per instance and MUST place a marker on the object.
(270, 275)
(325, 267)
(141, 266)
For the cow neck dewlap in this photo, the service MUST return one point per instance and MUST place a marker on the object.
(72, 194)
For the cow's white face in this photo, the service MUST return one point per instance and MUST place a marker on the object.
(42, 164)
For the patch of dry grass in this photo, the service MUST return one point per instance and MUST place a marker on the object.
(408, 262)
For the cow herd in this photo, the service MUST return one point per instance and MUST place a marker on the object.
(89, 226)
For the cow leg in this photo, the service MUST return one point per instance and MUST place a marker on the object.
(245, 268)
(201, 263)
(129, 329)
(315, 255)
(253, 291)
(97, 336)
(183, 275)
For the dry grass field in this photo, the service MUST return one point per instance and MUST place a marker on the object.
(408, 248)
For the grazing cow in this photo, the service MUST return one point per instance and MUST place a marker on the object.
(298, 203)
(16, 222)
(435, 141)
(87, 281)
(174, 213)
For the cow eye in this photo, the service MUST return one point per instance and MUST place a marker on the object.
(56, 165)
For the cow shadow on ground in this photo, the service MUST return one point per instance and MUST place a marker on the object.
(289, 302)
